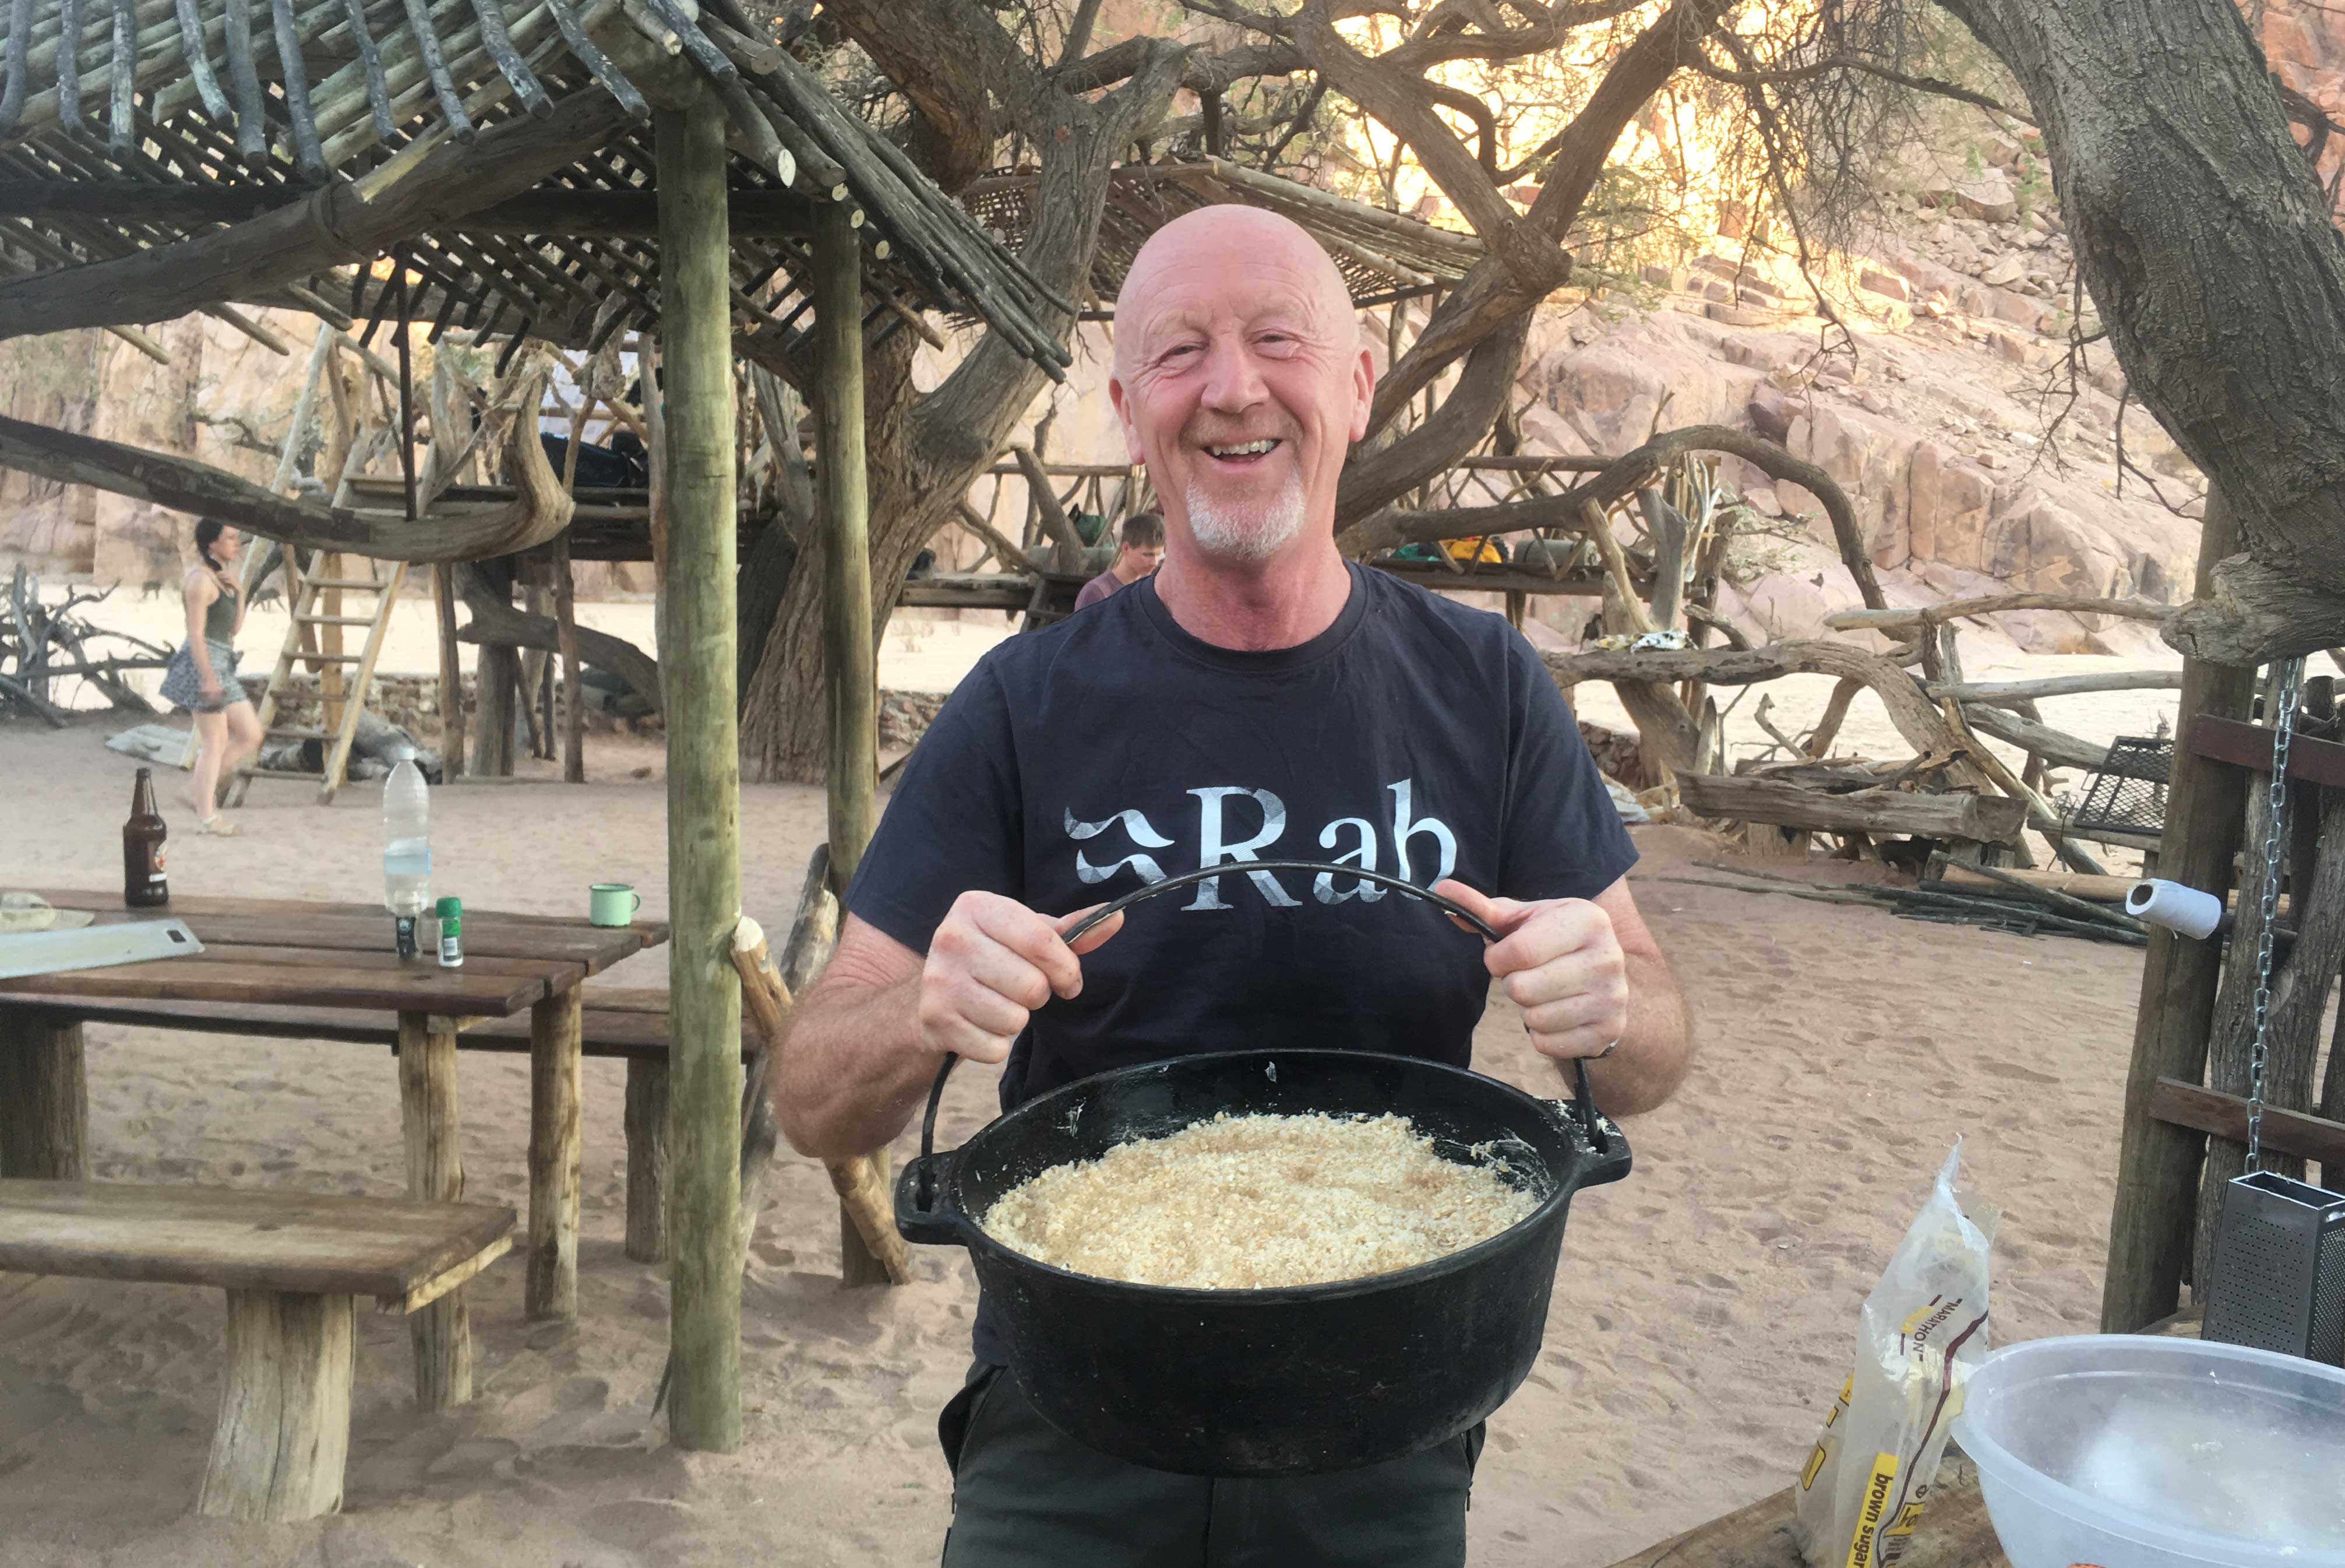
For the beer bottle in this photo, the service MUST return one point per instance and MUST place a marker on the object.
(143, 884)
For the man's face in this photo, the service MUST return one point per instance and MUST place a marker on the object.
(1241, 381)
(1137, 560)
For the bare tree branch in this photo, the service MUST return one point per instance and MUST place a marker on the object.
(1624, 475)
(1809, 73)
(1490, 293)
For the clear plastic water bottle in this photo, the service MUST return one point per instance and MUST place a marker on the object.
(407, 848)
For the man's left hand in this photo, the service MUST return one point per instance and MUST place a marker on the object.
(1563, 966)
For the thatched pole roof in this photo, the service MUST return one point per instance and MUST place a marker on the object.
(183, 153)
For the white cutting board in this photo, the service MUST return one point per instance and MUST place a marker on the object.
(94, 947)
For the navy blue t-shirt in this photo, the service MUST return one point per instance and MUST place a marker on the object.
(1414, 736)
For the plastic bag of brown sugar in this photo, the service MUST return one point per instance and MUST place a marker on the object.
(1923, 1331)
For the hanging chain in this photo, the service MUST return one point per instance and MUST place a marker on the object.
(2275, 836)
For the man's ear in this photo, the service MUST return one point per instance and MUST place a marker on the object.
(1363, 392)
(1117, 396)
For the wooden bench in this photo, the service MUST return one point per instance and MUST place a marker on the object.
(293, 1264)
(625, 1022)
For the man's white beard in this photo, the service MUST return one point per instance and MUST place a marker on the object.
(1245, 531)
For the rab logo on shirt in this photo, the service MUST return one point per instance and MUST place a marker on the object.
(1235, 824)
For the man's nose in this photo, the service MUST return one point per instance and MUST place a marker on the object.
(1233, 380)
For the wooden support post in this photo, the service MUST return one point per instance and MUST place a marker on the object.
(43, 1099)
(451, 677)
(496, 672)
(565, 613)
(537, 667)
(330, 641)
(646, 1126)
(284, 1434)
(2158, 1164)
(846, 596)
(440, 1333)
(698, 655)
(496, 675)
(555, 1034)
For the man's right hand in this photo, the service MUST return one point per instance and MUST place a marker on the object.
(990, 964)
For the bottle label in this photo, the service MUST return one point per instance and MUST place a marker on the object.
(451, 949)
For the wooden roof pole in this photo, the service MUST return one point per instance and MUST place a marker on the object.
(2157, 1162)
(844, 507)
(697, 637)
(427, 185)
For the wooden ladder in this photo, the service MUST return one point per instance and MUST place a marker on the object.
(314, 594)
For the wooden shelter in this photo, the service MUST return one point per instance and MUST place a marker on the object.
(551, 169)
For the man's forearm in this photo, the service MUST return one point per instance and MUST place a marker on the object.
(851, 1069)
(1655, 1050)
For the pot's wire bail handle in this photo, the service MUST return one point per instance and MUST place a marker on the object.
(1582, 1099)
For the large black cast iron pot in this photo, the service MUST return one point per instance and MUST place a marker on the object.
(1291, 1381)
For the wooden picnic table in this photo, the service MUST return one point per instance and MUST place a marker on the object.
(277, 952)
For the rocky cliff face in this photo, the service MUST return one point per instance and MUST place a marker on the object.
(1975, 455)
(222, 398)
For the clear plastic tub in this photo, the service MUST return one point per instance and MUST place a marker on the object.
(2124, 1450)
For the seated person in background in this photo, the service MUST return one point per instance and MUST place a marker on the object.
(1142, 549)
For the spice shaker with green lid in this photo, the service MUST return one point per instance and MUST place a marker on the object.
(451, 911)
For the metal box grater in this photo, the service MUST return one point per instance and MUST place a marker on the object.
(2279, 1269)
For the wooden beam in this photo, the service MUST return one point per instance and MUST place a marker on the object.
(44, 1099)
(555, 1024)
(427, 185)
(441, 1332)
(2290, 1132)
(565, 617)
(1055, 522)
(451, 677)
(1907, 616)
(848, 651)
(2246, 745)
(646, 1134)
(1988, 819)
(284, 1434)
(2004, 693)
(538, 511)
(1923, 727)
(2055, 746)
(703, 780)
(2158, 1164)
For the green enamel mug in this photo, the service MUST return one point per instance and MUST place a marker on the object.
(612, 904)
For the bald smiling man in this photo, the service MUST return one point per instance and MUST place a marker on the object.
(1258, 697)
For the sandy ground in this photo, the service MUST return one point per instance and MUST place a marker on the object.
(1702, 1321)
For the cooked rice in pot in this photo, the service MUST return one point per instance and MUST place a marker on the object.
(1249, 1202)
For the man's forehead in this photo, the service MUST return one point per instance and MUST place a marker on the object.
(1262, 295)
(1232, 261)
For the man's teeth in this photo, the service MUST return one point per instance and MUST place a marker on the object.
(1251, 450)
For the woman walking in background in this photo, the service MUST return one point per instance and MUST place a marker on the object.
(201, 677)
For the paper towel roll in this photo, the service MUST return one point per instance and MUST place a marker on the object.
(2174, 907)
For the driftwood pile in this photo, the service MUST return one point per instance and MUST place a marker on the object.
(44, 646)
(1661, 523)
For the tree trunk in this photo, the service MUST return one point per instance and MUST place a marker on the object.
(924, 452)
(2201, 229)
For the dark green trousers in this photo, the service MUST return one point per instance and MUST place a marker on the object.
(1026, 1495)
